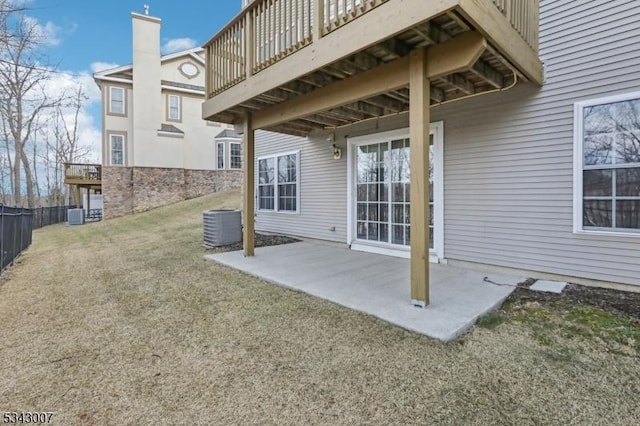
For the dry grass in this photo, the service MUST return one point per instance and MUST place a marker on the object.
(123, 322)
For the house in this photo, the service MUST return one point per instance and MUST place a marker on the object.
(501, 134)
(155, 147)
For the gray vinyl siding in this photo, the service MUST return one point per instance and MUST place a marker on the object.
(323, 191)
(323, 180)
(508, 157)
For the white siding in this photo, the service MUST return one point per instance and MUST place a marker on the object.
(508, 156)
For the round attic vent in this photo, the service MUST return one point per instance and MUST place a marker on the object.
(189, 69)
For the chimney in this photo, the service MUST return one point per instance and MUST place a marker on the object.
(147, 97)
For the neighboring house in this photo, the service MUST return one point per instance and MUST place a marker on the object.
(156, 148)
(540, 174)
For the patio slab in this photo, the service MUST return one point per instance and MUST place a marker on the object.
(378, 285)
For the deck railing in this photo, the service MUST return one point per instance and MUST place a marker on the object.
(523, 16)
(267, 31)
(87, 172)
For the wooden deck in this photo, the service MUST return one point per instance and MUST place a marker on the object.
(84, 175)
(279, 51)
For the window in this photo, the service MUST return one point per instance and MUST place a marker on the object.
(235, 156)
(117, 150)
(278, 183)
(220, 155)
(608, 164)
(116, 100)
(173, 108)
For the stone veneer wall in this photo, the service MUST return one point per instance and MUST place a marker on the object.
(117, 191)
(129, 190)
(201, 182)
(154, 187)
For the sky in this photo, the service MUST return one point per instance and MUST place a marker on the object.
(82, 37)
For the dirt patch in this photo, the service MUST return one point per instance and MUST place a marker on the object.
(616, 302)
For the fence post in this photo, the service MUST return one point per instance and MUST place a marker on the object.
(1, 237)
(15, 232)
(21, 229)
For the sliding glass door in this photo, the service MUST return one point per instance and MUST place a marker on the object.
(381, 190)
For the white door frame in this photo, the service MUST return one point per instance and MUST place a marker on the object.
(437, 130)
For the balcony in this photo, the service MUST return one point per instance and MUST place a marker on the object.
(87, 175)
(278, 59)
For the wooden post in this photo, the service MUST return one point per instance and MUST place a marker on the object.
(318, 21)
(88, 200)
(78, 197)
(248, 225)
(249, 43)
(419, 104)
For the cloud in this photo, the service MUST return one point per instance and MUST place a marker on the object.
(47, 33)
(178, 44)
(102, 66)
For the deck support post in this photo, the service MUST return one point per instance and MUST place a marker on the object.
(419, 122)
(248, 219)
(78, 197)
(88, 200)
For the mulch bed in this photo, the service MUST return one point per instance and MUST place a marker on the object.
(261, 240)
(609, 300)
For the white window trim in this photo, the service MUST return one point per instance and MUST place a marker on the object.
(436, 255)
(124, 150)
(231, 162)
(578, 165)
(275, 189)
(224, 155)
(124, 100)
(178, 97)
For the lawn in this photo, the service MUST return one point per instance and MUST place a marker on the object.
(124, 322)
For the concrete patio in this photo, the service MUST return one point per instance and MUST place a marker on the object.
(378, 285)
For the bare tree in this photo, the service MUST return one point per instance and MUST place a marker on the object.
(67, 148)
(22, 81)
(7, 164)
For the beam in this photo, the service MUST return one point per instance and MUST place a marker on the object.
(419, 119)
(377, 81)
(492, 24)
(457, 54)
(248, 220)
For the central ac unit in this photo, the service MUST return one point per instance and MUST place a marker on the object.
(76, 216)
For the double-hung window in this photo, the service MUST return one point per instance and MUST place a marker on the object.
(220, 154)
(235, 155)
(278, 183)
(116, 147)
(608, 164)
(116, 100)
(173, 108)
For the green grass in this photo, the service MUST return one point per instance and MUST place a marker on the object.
(559, 323)
(124, 322)
(491, 320)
